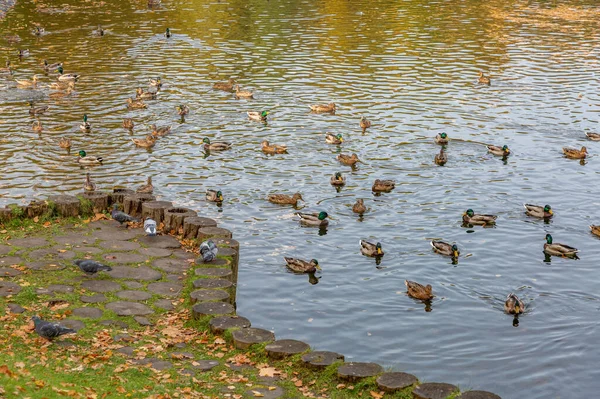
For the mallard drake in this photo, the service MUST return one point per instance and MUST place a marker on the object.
(84, 159)
(147, 142)
(499, 151)
(364, 124)
(37, 110)
(441, 138)
(575, 154)
(359, 207)
(383, 185)
(27, 83)
(38, 31)
(214, 196)
(99, 31)
(302, 266)
(23, 52)
(272, 149)
(314, 219)
(215, 146)
(337, 179)
(323, 107)
(65, 77)
(160, 131)
(445, 249)
(168, 33)
(513, 305)
(140, 94)
(349, 160)
(64, 142)
(595, 229)
(593, 136)
(537, 211)
(472, 218)
(225, 86)
(418, 291)
(183, 110)
(85, 125)
(128, 123)
(557, 249)
(155, 82)
(243, 93)
(370, 249)
(147, 188)
(283, 199)
(484, 79)
(334, 138)
(441, 158)
(258, 116)
(48, 67)
(136, 104)
(88, 184)
(37, 126)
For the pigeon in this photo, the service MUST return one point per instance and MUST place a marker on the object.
(91, 266)
(49, 330)
(150, 227)
(208, 250)
(121, 217)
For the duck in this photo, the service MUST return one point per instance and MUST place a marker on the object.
(60, 94)
(302, 266)
(27, 83)
(445, 249)
(128, 123)
(441, 158)
(64, 77)
(23, 53)
(88, 184)
(37, 126)
(136, 104)
(183, 110)
(537, 211)
(48, 67)
(472, 218)
(273, 149)
(572, 153)
(383, 186)
(441, 138)
(418, 291)
(99, 31)
(7, 69)
(591, 136)
(38, 31)
(160, 131)
(37, 110)
(558, 249)
(84, 159)
(64, 142)
(214, 196)
(364, 124)
(323, 107)
(225, 86)
(140, 94)
(314, 219)
(349, 160)
(369, 249)
(359, 207)
(147, 188)
(595, 229)
(513, 305)
(155, 82)
(334, 138)
(215, 146)
(168, 33)
(147, 142)
(257, 116)
(484, 79)
(283, 199)
(85, 125)
(499, 151)
(243, 93)
(337, 179)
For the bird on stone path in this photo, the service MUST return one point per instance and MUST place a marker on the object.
(208, 250)
(49, 330)
(121, 217)
(91, 266)
(150, 227)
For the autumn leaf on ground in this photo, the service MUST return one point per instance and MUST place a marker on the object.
(268, 372)
(257, 394)
(376, 395)
(99, 216)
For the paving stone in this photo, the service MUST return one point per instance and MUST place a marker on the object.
(47, 266)
(165, 242)
(219, 325)
(180, 345)
(5, 249)
(125, 308)
(433, 390)
(209, 295)
(123, 337)
(133, 284)
(171, 265)
(181, 254)
(74, 239)
(478, 395)
(101, 286)
(204, 365)
(43, 291)
(211, 283)
(87, 250)
(214, 272)
(188, 372)
(9, 272)
(119, 245)
(11, 260)
(29, 242)
(174, 277)
(212, 308)
(182, 355)
(124, 257)
(156, 364)
(278, 392)
(142, 321)
(168, 289)
(41, 253)
(133, 295)
(283, 348)
(126, 350)
(117, 323)
(156, 252)
(118, 234)
(246, 337)
(88, 312)
(143, 273)
(65, 255)
(71, 323)
(62, 288)
(321, 359)
(354, 371)
(96, 298)
(16, 309)
(164, 304)
(218, 262)
(395, 381)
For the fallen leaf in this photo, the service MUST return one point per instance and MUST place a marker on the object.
(257, 394)
(36, 219)
(268, 372)
(376, 395)
(298, 383)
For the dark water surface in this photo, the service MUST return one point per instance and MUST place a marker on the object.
(411, 67)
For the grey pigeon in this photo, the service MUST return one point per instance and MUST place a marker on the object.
(150, 227)
(49, 330)
(91, 266)
(121, 217)
(208, 250)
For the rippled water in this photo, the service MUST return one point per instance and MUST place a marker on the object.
(411, 67)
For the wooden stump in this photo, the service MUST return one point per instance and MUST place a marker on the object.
(98, 199)
(36, 208)
(175, 216)
(434, 390)
(66, 205)
(246, 337)
(213, 232)
(155, 210)
(191, 225)
(5, 214)
(219, 325)
(119, 194)
(283, 348)
(355, 371)
(132, 204)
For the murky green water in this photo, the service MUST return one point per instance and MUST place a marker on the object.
(411, 67)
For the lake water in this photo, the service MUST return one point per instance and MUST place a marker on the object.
(411, 67)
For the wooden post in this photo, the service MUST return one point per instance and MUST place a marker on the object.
(155, 210)
(132, 204)
(66, 205)
(175, 216)
(36, 208)
(119, 194)
(191, 225)
(98, 199)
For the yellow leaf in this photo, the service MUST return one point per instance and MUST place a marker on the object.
(376, 395)
(298, 383)
(272, 388)
(257, 394)
(39, 383)
(219, 341)
(268, 372)
(36, 219)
